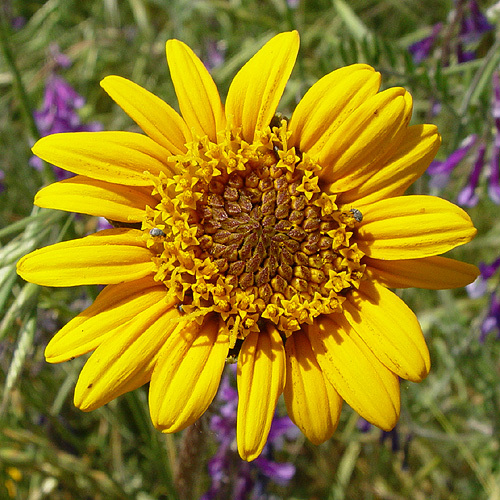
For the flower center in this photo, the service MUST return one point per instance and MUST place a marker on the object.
(244, 230)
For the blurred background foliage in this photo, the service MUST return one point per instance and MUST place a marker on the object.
(446, 445)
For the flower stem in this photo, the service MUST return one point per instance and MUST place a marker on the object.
(24, 101)
(22, 95)
(188, 470)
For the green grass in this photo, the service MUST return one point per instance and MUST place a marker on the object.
(450, 421)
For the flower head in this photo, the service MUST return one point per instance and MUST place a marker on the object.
(244, 234)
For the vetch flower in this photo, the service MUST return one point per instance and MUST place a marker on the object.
(421, 49)
(271, 240)
(440, 171)
(492, 320)
(474, 23)
(470, 27)
(468, 196)
(59, 109)
(494, 177)
(479, 287)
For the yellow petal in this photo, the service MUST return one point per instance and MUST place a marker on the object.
(255, 91)
(390, 329)
(113, 307)
(117, 157)
(311, 401)
(328, 103)
(187, 374)
(260, 378)
(125, 360)
(368, 137)
(434, 273)
(417, 149)
(102, 199)
(408, 227)
(196, 91)
(367, 385)
(109, 256)
(160, 122)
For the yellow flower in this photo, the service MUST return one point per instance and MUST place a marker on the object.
(244, 234)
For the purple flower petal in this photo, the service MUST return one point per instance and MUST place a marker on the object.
(279, 473)
(363, 425)
(59, 58)
(420, 50)
(477, 288)
(467, 197)
(441, 170)
(492, 320)
(474, 23)
(282, 426)
(216, 54)
(488, 270)
(58, 114)
(494, 178)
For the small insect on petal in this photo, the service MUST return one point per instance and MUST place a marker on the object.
(156, 232)
(358, 216)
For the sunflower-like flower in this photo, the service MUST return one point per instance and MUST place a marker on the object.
(244, 235)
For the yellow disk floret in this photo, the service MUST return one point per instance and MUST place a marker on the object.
(244, 230)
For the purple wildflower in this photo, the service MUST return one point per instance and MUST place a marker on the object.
(467, 196)
(477, 288)
(492, 320)
(393, 435)
(58, 114)
(233, 477)
(488, 270)
(494, 181)
(103, 223)
(472, 27)
(421, 49)
(441, 170)
(59, 109)
(363, 425)
(474, 24)
(480, 286)
(2, 176)
(60, 59)
(215, 54)
(464, 55)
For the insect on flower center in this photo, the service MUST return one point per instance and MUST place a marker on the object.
(245, 230)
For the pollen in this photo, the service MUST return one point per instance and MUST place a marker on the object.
(260, 242)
